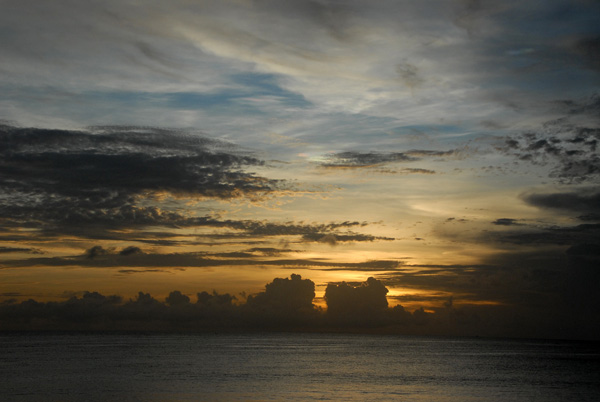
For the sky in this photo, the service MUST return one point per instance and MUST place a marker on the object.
(446, 149)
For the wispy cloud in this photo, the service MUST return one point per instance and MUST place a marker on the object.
(362, 160)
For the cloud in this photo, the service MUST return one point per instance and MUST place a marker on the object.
(285, 296)
(350, 305)
(96, 251)
(553, 235)
(361, 160)
(583, 201)
(353, 58)
(133, 257)
(131, 250)
(6, 250)
(333, 239)
(567, 145)
(89, 166)
(101, 175)
(176, 298)
(589, 48)
(286, 304)
(505, 222)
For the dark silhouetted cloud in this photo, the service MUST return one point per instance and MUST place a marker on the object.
(176, 298)
(100, 174)
(333, 239)
(100, 257)
(286, 304)
(585, 202)
(6, 250)
(130, 250)
(505, 222)
(285, 296)
(350, 305)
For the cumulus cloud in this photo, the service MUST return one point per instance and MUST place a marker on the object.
(176, 298)
(286, 304)
(285, 297)
(349, 305)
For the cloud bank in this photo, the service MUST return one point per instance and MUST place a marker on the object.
(286, 303)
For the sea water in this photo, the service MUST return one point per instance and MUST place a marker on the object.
(303, 367)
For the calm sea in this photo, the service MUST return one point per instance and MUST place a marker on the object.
(326, 367)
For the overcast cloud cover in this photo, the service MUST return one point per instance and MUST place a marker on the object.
(447, 149)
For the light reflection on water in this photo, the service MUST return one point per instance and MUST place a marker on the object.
(161, 367)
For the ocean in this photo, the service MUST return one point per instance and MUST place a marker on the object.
(293, 366)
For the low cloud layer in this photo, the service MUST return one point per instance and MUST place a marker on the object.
(285, 304)
(134, 257)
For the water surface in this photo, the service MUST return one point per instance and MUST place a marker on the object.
(328, 367)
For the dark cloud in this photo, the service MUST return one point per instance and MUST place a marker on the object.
(352, 160)
(424, 153)
(100, 224)
(96, 251)
(87, 183)
(567, 146)
(584, 250)
(505, 222)
(413, 171)
(552, 235)
(6, 250)
(101, 174)
(131, 250)
(215, 299)
(286, 304)
(458, 220)
(11, 294)
(361, 160)
(492, 281)
(269, 251)
(585, 202)
(141, 271)
(589, 49)
(349, 305)
(133, 257)
(176, 298)
(285, 296)
(334, 239)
